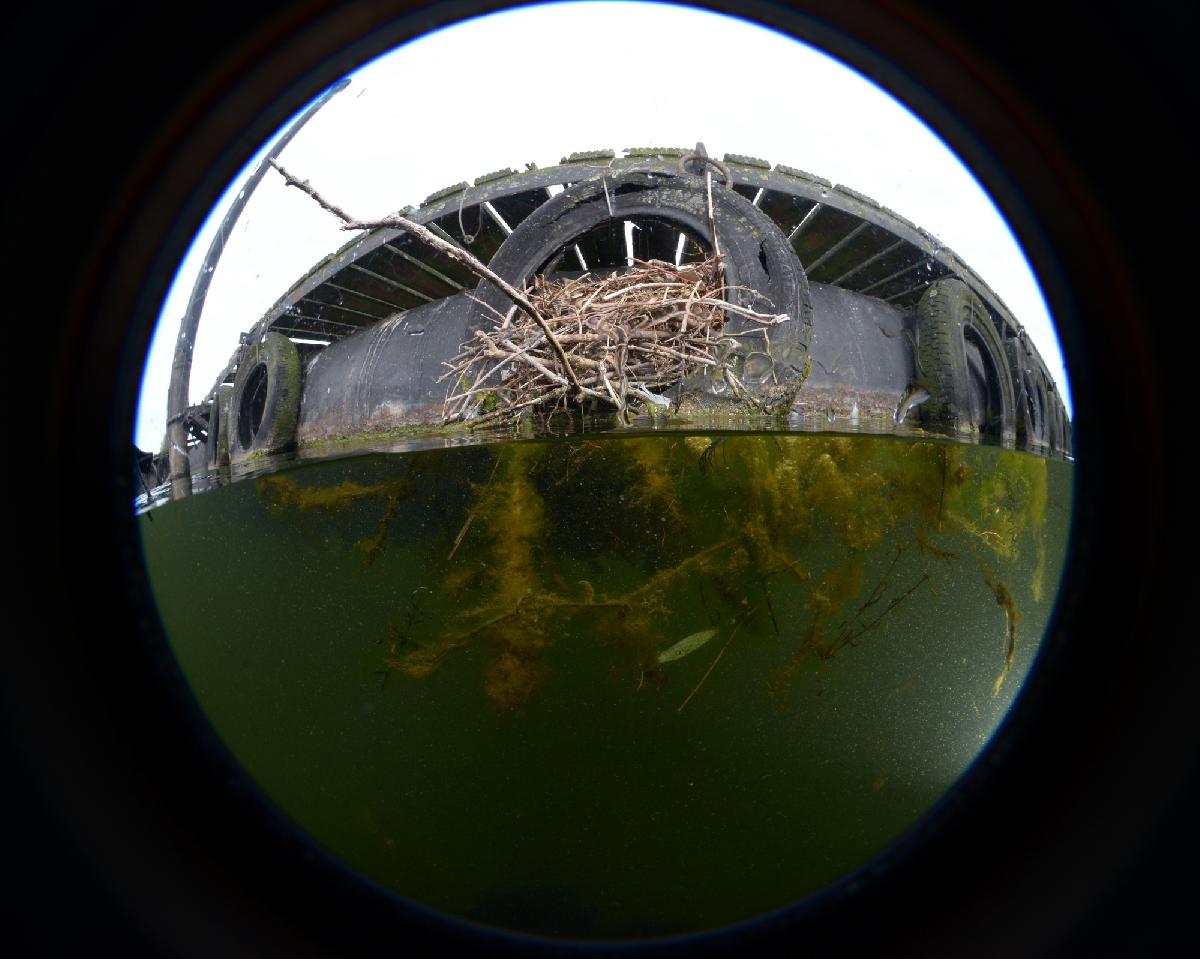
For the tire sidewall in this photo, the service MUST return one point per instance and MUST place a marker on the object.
(278, 356)
(945, 312)
(218, 426)
(759, 261)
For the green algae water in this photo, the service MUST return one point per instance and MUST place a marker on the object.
(614, 686)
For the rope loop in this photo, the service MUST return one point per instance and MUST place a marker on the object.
(687, 165)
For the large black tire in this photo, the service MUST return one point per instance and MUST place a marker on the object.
(218, 427)
(266, 398)
(1029, 406)
(1041, 418)
(1060, 423)
(758, 256)
(962, 362)
(386, 375)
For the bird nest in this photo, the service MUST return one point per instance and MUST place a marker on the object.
(613, 341)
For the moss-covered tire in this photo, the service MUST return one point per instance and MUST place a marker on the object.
(1029, 405)
(266, 398)
(1060, 424)
(759, 261)
(962, 362)
(218, 426)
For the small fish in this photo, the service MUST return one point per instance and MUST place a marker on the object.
(689, 644)
(658, 404)
(914, 395)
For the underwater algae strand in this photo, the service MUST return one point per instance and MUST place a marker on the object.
(616, 685)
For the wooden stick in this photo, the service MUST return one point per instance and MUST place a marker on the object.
(712, 666)
(396, 221)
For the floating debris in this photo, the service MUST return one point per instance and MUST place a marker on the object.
(688, 644)
(1012, 616)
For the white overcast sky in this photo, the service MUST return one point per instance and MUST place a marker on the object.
(534, 84)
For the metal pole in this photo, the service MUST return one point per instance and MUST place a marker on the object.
(181, 368)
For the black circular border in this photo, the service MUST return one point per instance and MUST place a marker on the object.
(128, 836)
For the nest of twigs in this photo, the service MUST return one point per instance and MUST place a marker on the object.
(616, 341)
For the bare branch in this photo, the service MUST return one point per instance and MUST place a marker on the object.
(397, 222)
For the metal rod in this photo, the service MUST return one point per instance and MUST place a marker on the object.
(499, 220)
(392, 283)
(867, 262)
(181, 367)
(816, 208)
(337, 306)
(892, 276)
(912, 289)
(809, 267)
(363, 296)
(421, 265)
(434, 228)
